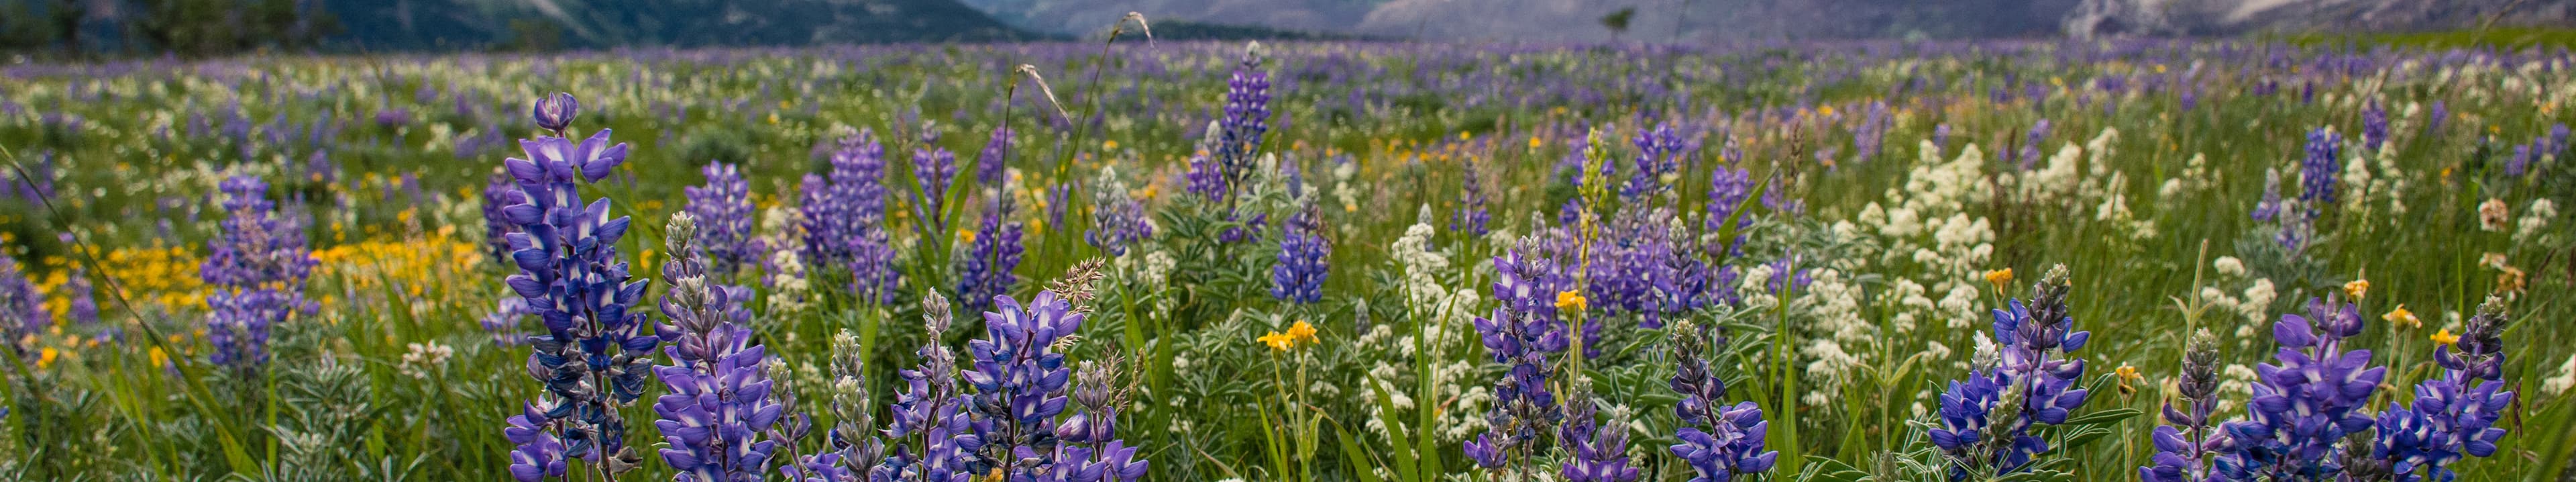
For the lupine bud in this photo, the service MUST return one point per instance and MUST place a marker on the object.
(555, 112)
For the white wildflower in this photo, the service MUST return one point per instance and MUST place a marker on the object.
(2229, 266)
(2566, 379)
(423, 358)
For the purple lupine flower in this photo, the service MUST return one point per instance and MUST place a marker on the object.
(2441, 112)
(2036, 374)
(2521, 160)
(1727, 190)
(2186, 442)
(1019, 380)
(553, 112)
(499, 192)
(2306, 404)
(1596, 454)
(1471, 217)
(256, 265)
(1298, 277)
(989, 164)
(720, 403)
(1718, 442)
(844, 218)
(2269, 209)
(723, 207)
(2374, 126)
(393, 117)
(1246, 120)
(1058, 199)
(596, 353)
(2557, 141)
(2318, 170)
(1206, 178)
(1941, 137)
(1871, 135)
(38, 186)
(503, 322)
(1093, 452)
(22, 309)
(2455, 414)
(932, 172)
(985, 264)
(1635, 267)
(83, 306)
(536, 453)
(833, 206)
(1118, 219)
(1659, 153)
(932, 438)
(1521, 333)
(2031, 143)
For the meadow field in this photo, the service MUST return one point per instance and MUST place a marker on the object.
(2137, 260)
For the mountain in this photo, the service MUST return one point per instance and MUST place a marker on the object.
(2100, 18)
(1562, 20)
(541, 24)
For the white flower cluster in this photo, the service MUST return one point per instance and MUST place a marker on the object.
(2386, 187)
(789, 293)
(2196, 177)
(1420, 264)
(1463, 413)
(2253, 304)
(1930, 230)
(2081, 178)
(1834, 305)
(2533, 228)
(424, 358)
(1756, 288)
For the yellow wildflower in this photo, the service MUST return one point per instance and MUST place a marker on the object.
(1535, 142)
(1302, 332)
(2401, 317)
(2126, 375)
(2445, 337)
(45, 358)
(1279, 341)
(1999, 278)
(2357, 289)
(1570, 300)
(160, 358)
(1109, 145)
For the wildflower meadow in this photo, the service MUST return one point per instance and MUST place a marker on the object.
(1134, 259)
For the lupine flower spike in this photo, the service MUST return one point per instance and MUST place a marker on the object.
(1720, 443)
(2454, 415)
(1986, 420)
(596, 354)
(719, 406)
(2184, 444)
(2304, 405)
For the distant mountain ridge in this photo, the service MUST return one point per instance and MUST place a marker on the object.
(546, 24)
(2105, 18)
